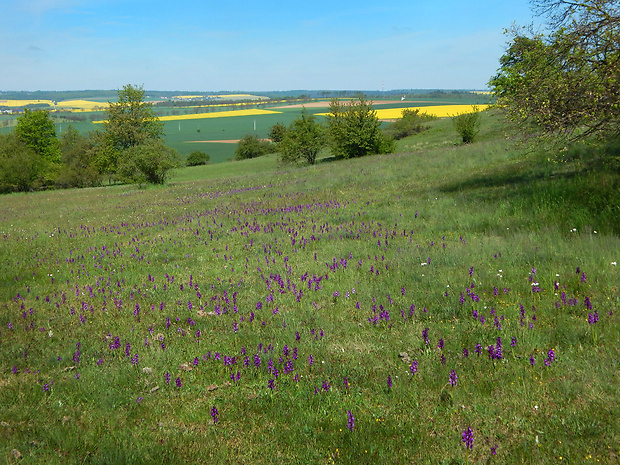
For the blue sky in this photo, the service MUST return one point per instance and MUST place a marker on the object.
(253, 45)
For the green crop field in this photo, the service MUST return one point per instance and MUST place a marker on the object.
(188, 135)
(453, 304)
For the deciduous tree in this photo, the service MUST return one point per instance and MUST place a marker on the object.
(131, 121)
(355, 130)
(78, 167)
(35, 129)
(566, 82)
(19, 165)
(302, 140)
(151, 162)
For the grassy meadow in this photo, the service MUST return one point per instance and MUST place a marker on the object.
(357, 311)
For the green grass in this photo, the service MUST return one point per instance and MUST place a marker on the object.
(256, 231)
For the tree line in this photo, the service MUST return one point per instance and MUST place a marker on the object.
(129, 148)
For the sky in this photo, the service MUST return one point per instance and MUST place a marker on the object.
(264, 45)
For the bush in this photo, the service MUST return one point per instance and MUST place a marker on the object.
(277, 132)
(251, 147)
(149, 162)
(355, 129)
(19, 165)
(78, 161)
(197, 158)
(467, 125)
(411, 123)
(303, 140)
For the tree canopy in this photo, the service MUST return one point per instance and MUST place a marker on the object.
(303, 140)
(131, 121)
(355, 129)
(565, 82)
(36, 130)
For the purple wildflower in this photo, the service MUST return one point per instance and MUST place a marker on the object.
(389, 382)
(468, 438)
(453, 378)
(593, 317)
(513, 342)
(414, 367)
(178, 382)
(532, 360)
(498, 348)
(350, 420)
(215, 414)
(139, 399)
(494, 450)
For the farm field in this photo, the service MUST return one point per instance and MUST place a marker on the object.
(391, 309)
(191, 131)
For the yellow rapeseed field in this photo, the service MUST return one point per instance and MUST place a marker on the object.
(238, 96)
(219, 114)
(23, 103)
(84, 105)
(440, 111)
(79, 105)
(187, 96)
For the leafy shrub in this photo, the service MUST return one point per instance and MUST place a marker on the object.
(412, 122)
(149, 162)
(303, 140)
(251, 147)
(197, 158)
(355, 129)
(19, 165)
(277, 132)
(467, 125)
(78, 156)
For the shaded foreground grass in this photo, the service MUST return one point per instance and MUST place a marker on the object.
(238, 314)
